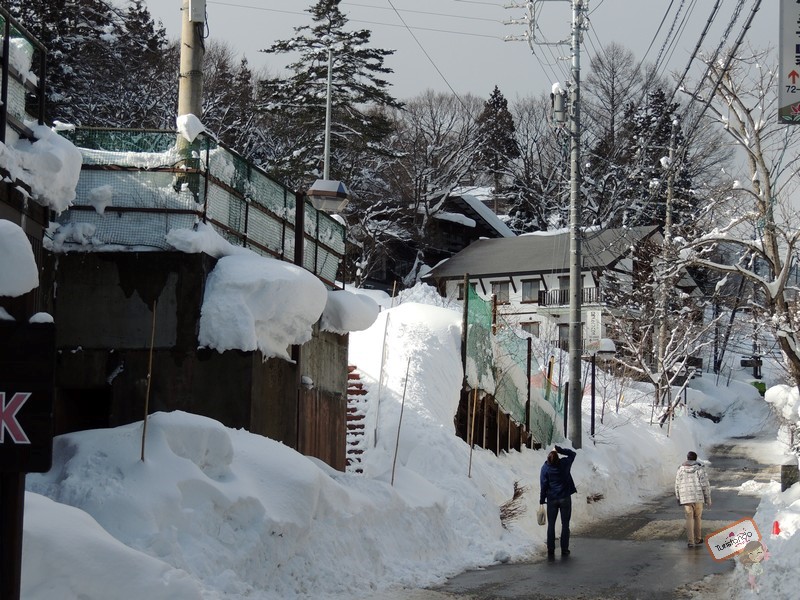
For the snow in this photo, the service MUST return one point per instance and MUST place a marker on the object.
(346, 311)
(455, 218)
(189, 126)
(216, 513)
(50, 166)
(21, 58)
(257, 303)
(101, 198)
(18, 271)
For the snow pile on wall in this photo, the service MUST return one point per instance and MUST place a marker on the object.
(346, 311)
(256, 303)
(50, 166)
(18, 272)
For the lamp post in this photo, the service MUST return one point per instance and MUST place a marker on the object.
(326, 152)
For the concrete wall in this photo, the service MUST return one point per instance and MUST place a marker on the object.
(104, 320)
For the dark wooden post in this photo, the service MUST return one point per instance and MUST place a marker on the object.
(12, 503)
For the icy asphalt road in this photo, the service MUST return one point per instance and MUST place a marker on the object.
(638, 555)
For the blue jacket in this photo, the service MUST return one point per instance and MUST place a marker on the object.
(555, 481)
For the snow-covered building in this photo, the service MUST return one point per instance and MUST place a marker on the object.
(457, 221)
(528, 278)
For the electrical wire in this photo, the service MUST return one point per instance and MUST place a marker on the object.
(366, 22)
(428, 56)
(424, 12)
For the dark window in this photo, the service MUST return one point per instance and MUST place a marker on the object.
(530, 290)
(532, 328)
(500, 291)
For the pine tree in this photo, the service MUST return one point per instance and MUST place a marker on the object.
(496, 134)
(106, 66)
(650, 138)
(298, 104)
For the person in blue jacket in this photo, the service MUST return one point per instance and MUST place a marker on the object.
(557, 488)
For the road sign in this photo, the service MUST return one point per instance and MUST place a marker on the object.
(789, 63)
(27, 376)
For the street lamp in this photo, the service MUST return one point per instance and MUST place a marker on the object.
(606, 347)
(328, 195)
(326, 152)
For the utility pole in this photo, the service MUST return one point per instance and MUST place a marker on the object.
(190, 81)
(665, 281)
(572, 416)
(575, 275)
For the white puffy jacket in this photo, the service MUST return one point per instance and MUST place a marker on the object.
(691, 483)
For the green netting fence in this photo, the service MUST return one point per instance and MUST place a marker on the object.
(153, 182)
(499, 362)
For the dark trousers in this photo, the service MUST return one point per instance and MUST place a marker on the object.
(564, 505)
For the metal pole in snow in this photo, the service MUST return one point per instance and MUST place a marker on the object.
(400, 422)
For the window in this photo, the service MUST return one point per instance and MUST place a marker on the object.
(532, 328)
(530, 290)
(500, 291)
(461, 290)
(563, 282)
(563, 336)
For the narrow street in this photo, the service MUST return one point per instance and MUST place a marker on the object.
(638, 555)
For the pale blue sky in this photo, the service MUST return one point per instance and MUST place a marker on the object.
(463, 38)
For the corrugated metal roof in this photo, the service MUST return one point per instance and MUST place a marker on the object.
(539, 253)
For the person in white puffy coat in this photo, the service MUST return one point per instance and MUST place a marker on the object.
(693, 492)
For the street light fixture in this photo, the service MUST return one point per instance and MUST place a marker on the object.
(328, 195)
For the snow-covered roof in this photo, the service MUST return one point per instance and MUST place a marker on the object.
(484, 213)
(548, 253)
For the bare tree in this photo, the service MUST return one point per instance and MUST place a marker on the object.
(755, 215)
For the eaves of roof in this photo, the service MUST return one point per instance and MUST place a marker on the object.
(536, 254)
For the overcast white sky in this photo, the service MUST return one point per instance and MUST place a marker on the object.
(459, 43)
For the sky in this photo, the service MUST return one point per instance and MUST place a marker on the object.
(457, 45)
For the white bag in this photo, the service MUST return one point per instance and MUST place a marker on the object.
(541, 518)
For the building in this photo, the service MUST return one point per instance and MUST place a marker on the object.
(528, 277)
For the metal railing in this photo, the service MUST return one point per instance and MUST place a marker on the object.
(560, 297)
(156, 183)
(24, 60)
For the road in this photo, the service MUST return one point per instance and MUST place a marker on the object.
(637, 555)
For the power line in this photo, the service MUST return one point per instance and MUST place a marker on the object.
(423, 12)
(428, 56)
(291, 12)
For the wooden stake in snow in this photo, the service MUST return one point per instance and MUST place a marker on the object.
(380, 383)
(472, 429)
(400, 422)
(149, 378)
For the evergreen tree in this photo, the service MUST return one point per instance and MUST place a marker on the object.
(298, 103)
(650, 138)
(498, 145)
(106, 66)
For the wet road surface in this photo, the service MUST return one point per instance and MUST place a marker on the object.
(638, 555)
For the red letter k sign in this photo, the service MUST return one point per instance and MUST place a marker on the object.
(8, 417)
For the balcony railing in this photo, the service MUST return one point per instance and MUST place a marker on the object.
(560, 297)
